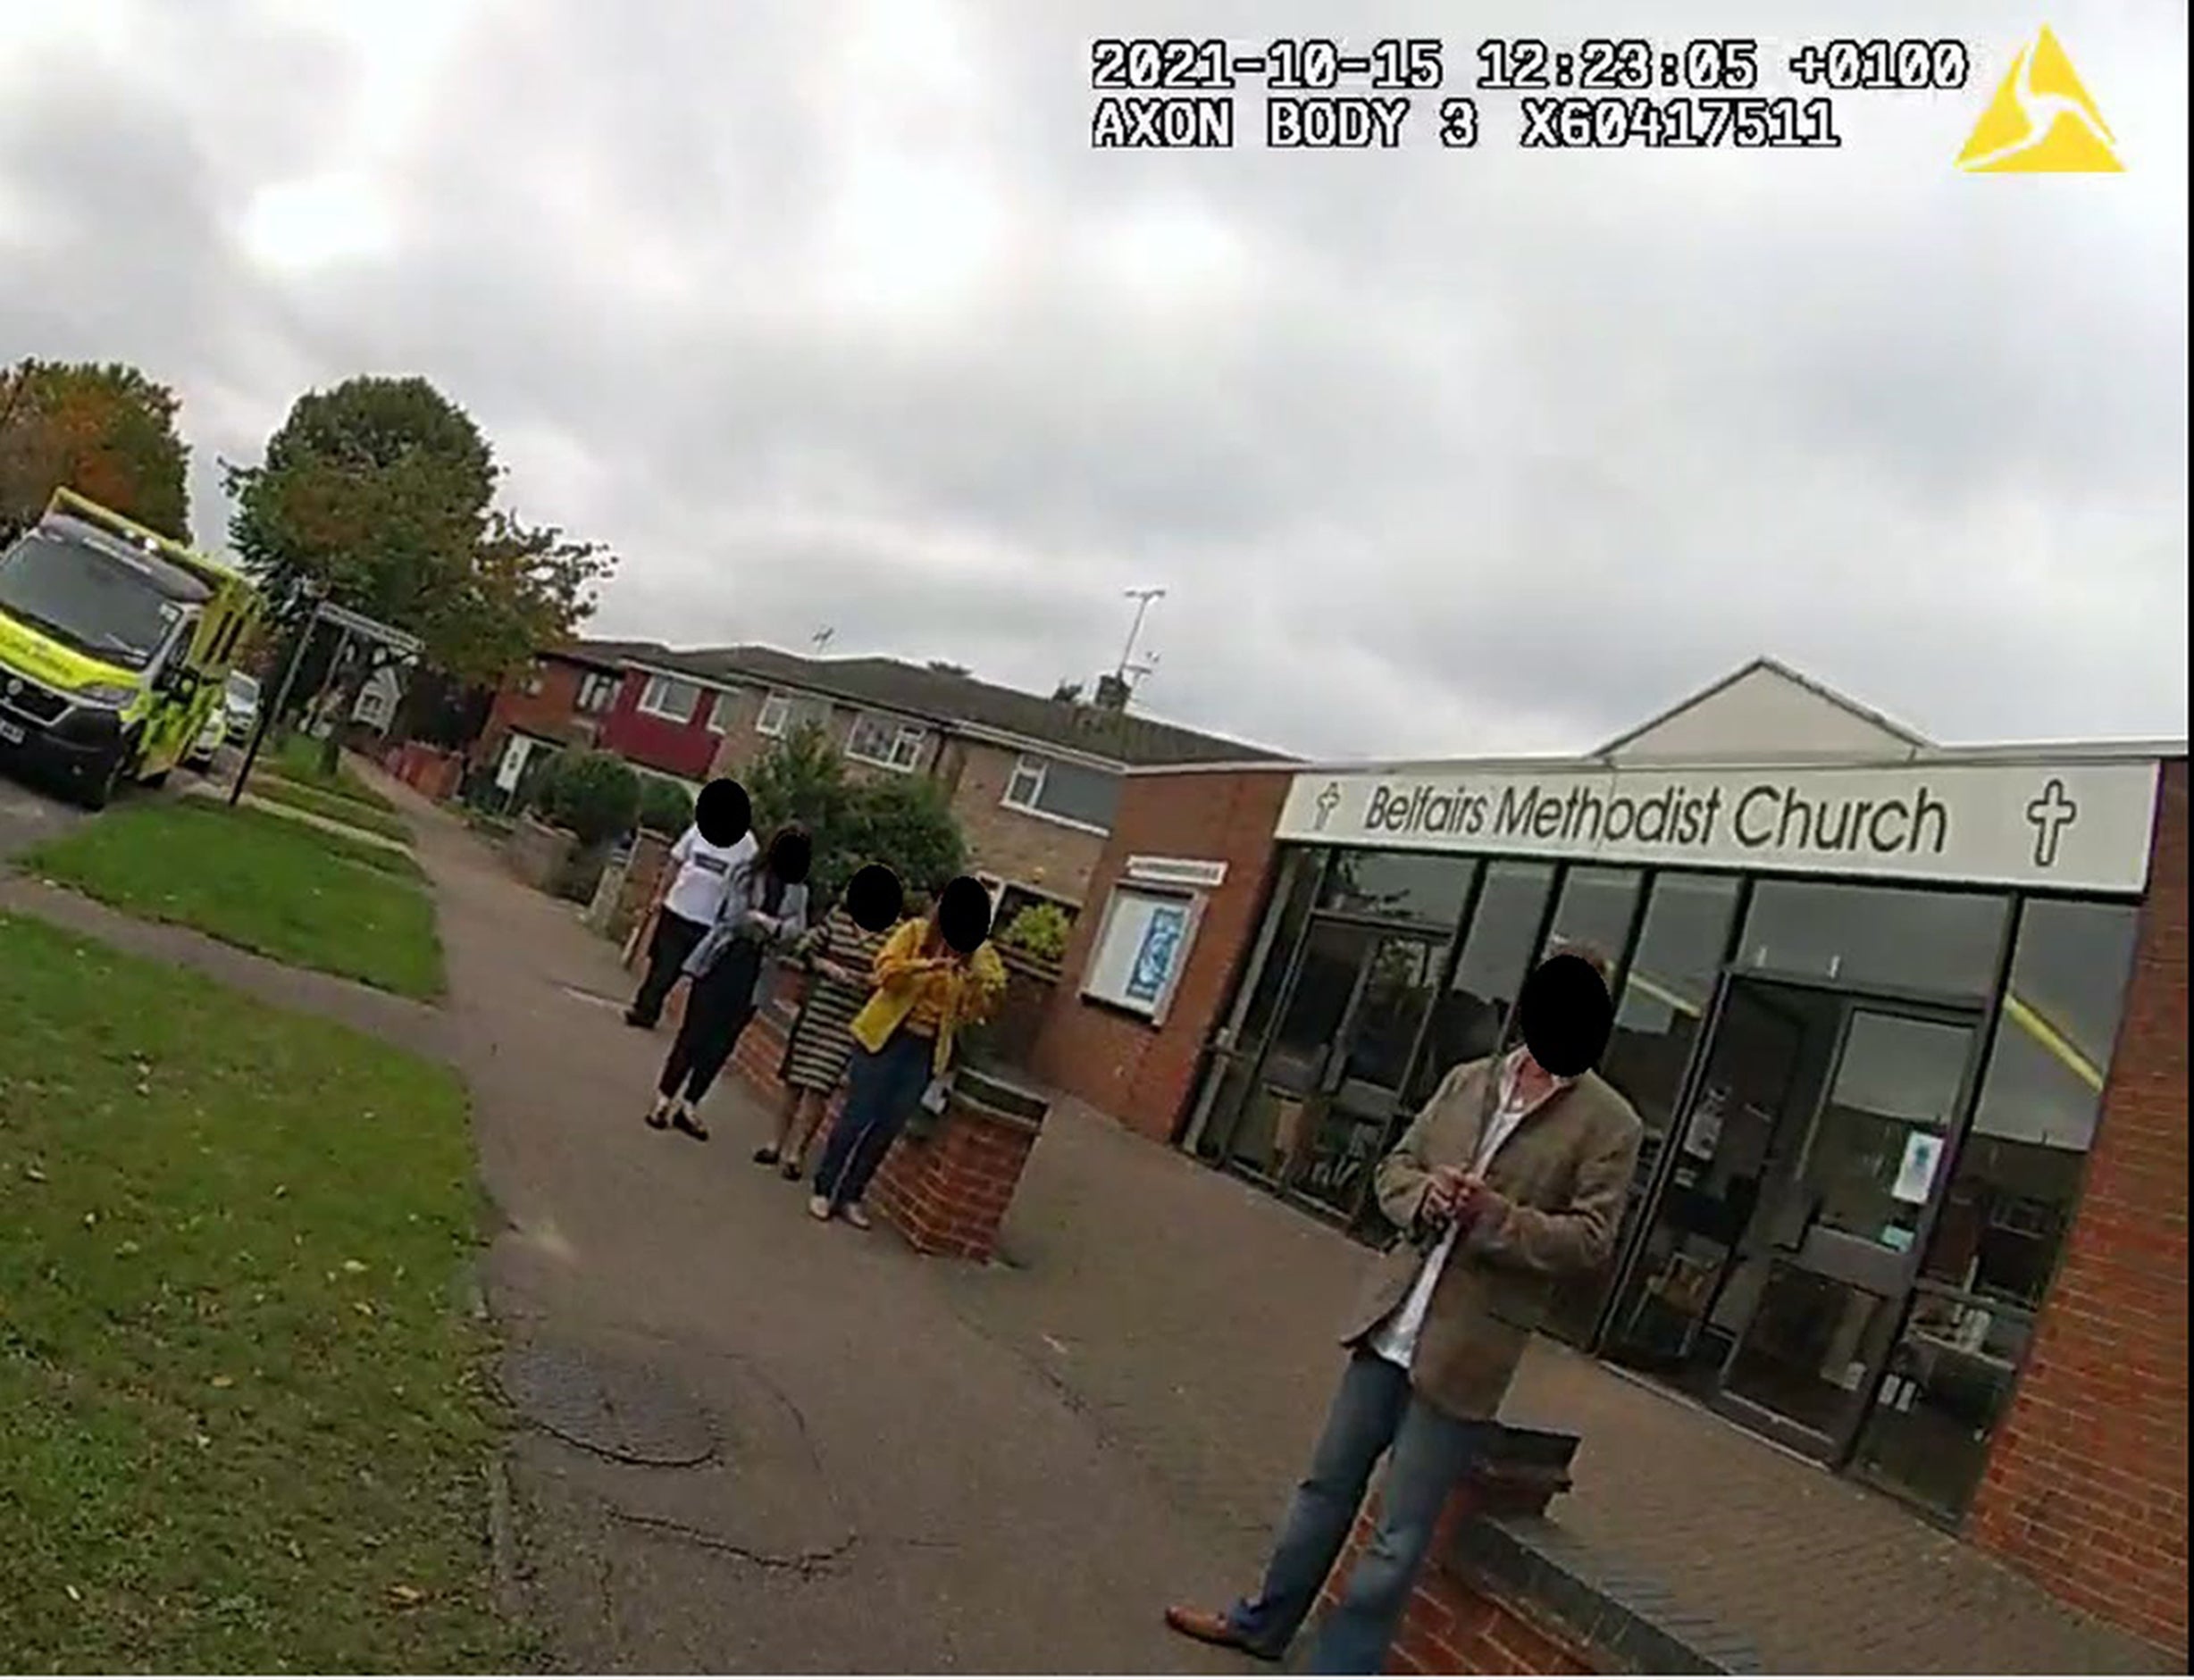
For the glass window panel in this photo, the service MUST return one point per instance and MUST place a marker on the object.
(1595, 909)
(1277, 1119)
(2017, 1179)
(1880, 1141)
(1941, 943)
(1467, 1020)
(1079, 794)
(1947, 1384)
(1807, 1347)
(1406, 886)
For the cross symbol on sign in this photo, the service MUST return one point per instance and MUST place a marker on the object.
(1327, 800)
(2051, 814)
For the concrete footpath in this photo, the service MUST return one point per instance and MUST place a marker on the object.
(879, 1486)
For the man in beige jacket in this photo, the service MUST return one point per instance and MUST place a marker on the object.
(1511, 1179)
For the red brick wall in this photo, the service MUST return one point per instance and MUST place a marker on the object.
(1123, 1066)
(2086, 1488)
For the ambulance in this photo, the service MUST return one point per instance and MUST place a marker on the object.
(116, 643)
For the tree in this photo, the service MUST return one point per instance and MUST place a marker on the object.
(379, 493)
(105, 430)
(905, 822)
(908, 823)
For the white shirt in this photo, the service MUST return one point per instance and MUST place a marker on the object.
(1396, 1339)
(704, 870)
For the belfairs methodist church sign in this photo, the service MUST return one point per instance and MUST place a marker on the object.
(2076, 826)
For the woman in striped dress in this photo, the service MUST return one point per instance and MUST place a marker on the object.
(840, 958)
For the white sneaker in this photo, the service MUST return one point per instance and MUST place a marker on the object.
(856, 1216)
(819, 1207)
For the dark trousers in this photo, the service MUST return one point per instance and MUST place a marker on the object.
(668, 946)
(1376, 1411)
(883, 1088)
(716, 1012)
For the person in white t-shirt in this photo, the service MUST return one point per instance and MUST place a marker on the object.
(695, 879)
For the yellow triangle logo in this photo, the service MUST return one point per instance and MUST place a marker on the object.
(2041, 122)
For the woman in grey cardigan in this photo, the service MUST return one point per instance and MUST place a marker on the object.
(765, 907)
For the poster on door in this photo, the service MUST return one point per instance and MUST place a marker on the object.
(1915, 1175)
(513, 766)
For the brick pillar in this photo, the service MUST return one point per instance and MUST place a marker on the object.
(947, 1193)
(2086, 1485)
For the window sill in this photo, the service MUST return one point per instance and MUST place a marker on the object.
(1056, 821)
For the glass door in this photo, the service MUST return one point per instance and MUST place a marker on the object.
(1359, 1093)
(1843, 1218)
(1274, 1109)
(1671, 1319)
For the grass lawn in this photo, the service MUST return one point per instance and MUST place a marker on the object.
(244, 1425)
(298, 759)
(297, 894)
(335, 806)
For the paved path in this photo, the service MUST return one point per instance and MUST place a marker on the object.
(895, 1490)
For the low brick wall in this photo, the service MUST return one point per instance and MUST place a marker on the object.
(537, 854)
(947, 1195)
(1451, 1625)
(429, 770)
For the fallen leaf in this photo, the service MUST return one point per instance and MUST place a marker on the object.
(225, 1382)
(90, 1219)
(34, 1175)
(354, 1266)
(74, 1596)
(406, 1598)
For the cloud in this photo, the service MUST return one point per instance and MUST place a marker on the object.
(826, 313)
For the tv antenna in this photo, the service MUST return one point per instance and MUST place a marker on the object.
(821, 639)
(1128, 666)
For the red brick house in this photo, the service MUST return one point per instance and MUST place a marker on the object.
(561, 699)
(666, 715)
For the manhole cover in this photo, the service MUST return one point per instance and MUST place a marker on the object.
(618, 1410)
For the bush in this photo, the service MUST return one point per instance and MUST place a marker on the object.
(595, 795)
(905, 822)
(665, 806)
(1040, 930)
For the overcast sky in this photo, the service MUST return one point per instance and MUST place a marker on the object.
(827, 314)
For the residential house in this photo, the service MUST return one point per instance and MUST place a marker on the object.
(559, 700)
(1034, 780)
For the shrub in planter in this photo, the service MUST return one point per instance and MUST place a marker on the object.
(595, 795)
(1040, 931)
(665, 806)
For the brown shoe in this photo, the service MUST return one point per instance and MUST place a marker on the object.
(1211, 1628)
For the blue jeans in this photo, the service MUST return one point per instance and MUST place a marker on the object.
(1374, 1411)
(882, 1090)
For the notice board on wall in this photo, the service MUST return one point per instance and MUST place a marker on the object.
(1141, 948)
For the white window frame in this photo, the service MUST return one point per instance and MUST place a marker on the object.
(913, 737)
(599, 684)
(1040, 767)
(1027, 765)
(781, 706)
(656, 679)
(1152, 1010)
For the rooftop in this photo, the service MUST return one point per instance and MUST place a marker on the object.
(941, 696)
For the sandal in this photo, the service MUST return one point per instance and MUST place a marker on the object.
(658, 1117)
(766, 1156)
(686, 1121)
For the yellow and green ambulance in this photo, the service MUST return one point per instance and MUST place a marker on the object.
(114, 643)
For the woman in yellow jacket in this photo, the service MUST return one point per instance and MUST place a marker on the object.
(902, 1039)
